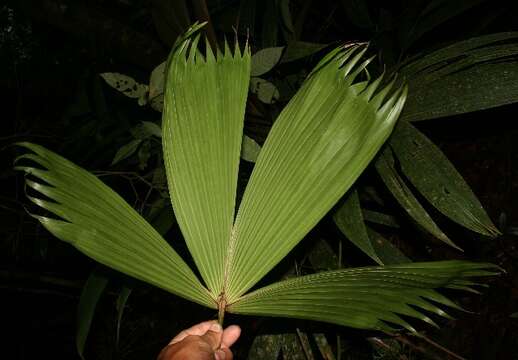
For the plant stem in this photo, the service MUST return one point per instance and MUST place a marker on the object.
(222, 304)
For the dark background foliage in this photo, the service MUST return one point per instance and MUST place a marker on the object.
(51, 54)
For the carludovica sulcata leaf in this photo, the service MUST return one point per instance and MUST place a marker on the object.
(316, 149)
(319, 145)
(98, 222)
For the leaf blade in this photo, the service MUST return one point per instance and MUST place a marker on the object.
(202, 128)
(365, 298)
(306, 164)
(385, 165)
(90, 296)
(99, 223)
(469, 75)
(265, 59)
(349, 220)
(442, 186)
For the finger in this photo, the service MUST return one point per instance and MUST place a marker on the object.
(224, 354)
(230, 336)
(196, 330)
(213, 338)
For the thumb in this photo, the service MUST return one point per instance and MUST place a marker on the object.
(213, 336)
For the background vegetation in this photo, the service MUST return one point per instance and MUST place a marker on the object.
(52, 54)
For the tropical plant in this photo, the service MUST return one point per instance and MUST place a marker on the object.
(320, 143)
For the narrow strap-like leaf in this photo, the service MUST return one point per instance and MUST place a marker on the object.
(90, 295)
(387, 252)
(365, 298)
(318, 146)
(385, 165)
(204, 107)
(102, 225)
(349, 220)
(430, 171)
(470, 75)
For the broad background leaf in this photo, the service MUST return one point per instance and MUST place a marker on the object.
(430, 171)
(125, 85)
(250, 149)
(349, 220)
(470, 75)
(385, 165)
(126, 151)
(265, 59)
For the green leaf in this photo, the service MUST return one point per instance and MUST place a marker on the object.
(90, 295)
(157, 78)
(202, 128)
(125, 151)
(385, 165)
(349, 220)
(265, 90)
(322, 257)
(387, 252)
(437, 180)
(365, 298)
(161, 215)
(144, 153)
(250, 149)
(122, 299)
(152, 129)
(265, 59)
(99, 223)
(380, 218)
(156, 87)
(145, 130)
(461, 54)
(318, 146)
(471, 75)
(125, 85)
(300, 49)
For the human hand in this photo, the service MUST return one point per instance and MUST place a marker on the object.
(204, 341)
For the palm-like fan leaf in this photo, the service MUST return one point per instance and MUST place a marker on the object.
(101, 224)
(366, 298)
(202, 130)
(319, 145)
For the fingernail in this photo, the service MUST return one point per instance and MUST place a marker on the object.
(220, 355)
(216, 327)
